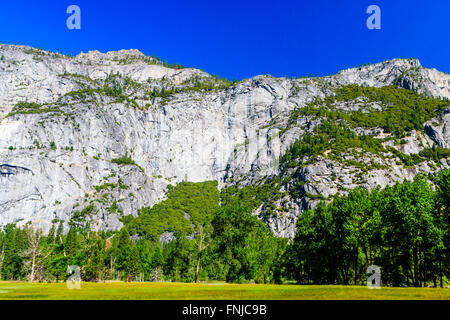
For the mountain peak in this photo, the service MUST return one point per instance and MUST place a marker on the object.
(97, 55)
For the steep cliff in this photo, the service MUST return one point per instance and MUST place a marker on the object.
(116, 129)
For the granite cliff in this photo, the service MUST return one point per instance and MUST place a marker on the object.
(116, 129)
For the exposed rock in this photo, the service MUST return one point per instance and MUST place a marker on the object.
(166, 237)
(439, 129)
(59, 160)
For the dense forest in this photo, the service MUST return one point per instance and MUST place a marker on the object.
(404, 229)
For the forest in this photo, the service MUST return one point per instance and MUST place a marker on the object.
(404, 229)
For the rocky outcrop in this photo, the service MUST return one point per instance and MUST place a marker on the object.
(439, 129)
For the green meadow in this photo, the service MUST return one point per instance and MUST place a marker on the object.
(211, 291)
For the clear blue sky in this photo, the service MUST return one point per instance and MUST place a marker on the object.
(240, 39)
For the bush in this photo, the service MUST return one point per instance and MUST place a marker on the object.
(125, 160)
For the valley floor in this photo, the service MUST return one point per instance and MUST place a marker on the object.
(212, 291)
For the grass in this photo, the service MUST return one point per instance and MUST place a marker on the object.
(212, 291)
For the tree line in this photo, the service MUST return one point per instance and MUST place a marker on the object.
(404, 229)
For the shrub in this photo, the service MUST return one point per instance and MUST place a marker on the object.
(125, 160)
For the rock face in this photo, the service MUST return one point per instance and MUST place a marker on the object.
(439, 130)
(57, 156)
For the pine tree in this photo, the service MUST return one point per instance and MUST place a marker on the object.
(123, 250)
(59, 233)
(8, 254)
(71, 244)
(157, 262)
(134, 266)
(95, 266)
(157, 256)
(51, 235)
(15, 242)
(124, 238)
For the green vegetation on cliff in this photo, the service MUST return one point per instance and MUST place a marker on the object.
(188, 206)
(32, 108)
(401, 110)
(394, 110)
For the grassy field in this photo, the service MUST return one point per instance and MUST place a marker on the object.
(217, 291)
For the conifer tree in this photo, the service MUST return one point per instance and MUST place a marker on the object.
(51, 235)
(71, 244)
(134, 266)
(123, 250)
(59, 233)
(9, 251)
(96, 262)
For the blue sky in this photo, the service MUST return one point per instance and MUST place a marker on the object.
(240, 39)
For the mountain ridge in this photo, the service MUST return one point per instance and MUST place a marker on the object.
(119, 132)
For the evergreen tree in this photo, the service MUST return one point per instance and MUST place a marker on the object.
(71, 244)
(59, 233)
(96, 261)
(51, 235)
(123, 250)
(10, 261)
(134, 265)
(14, 243)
